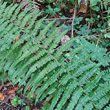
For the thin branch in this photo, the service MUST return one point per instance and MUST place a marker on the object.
(73, 18)
(98, 40)
(50, 19)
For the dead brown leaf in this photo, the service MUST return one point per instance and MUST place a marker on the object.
(2, 96)
(11, 91)
(64, 39)
(1, 87)
(71, 10)
(83, 7)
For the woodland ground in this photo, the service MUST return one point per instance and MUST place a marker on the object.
(8, 92)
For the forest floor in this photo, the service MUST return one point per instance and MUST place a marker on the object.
(13, 98)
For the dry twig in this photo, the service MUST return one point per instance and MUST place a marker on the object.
(98, 40)
(73, 18)
(50, 19)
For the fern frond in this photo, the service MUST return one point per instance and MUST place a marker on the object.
(107, 108)
(67, 92)
(69, 76)
(74, 99)
(56, 98)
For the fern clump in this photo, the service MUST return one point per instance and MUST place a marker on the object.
(70, 76)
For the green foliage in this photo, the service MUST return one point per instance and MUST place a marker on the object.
(107, 108)
(27, 108)
(16, 101)
(94, 2)
(3, 77)
(50, 10)
(70, 76)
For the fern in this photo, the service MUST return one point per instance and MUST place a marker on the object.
(69, 76)
(107, 108)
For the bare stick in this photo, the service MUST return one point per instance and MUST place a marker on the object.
(50, 19)
(73, 18)
(98, 40)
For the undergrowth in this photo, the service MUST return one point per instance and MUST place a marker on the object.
(66, 77)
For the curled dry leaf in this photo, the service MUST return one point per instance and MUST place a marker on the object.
(14, 90)
(65, 39)
(11, 91)
(83, 7)
(1, 96)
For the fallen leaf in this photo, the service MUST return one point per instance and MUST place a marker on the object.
(11, 91)
(71, 10)
(45, 37)
(16, 87)
(1, 87)
(26, 25)
(64, 39)
(1, 96)
(17, 38)
(29, 89)
(74, 34)
(14, 90)
(83, 7)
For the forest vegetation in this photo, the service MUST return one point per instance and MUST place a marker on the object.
(55, 55)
